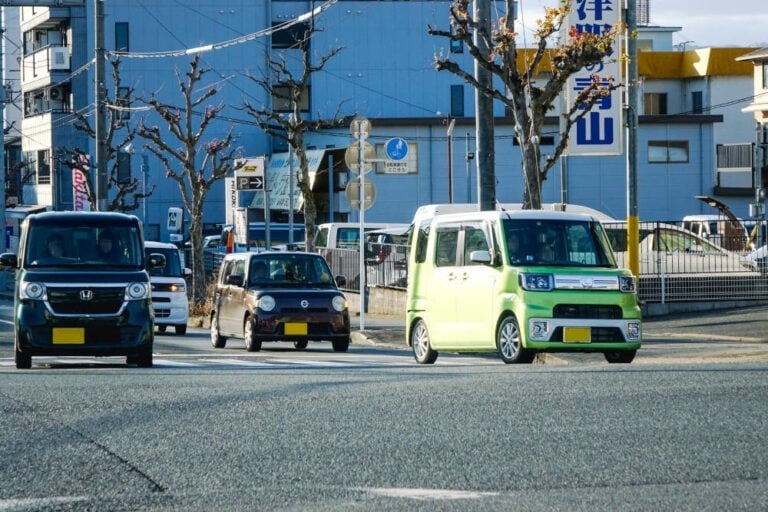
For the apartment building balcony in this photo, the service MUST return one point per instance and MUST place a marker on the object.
(45, 66)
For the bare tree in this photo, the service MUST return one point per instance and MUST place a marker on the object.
(528, 101)
(126, 194)
(196, 164)
(286, 88)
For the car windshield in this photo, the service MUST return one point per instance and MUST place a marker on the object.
(289, 270)
(172, 266)
(557, 242)
(84, 243)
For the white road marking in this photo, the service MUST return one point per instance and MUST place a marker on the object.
(429, 494)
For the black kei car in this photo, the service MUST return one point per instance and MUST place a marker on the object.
(82, 287)
(279, 296)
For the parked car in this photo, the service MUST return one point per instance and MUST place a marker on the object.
(386, 256)
(760, 258)
(279, 296)
(169, 288)
(668, 249)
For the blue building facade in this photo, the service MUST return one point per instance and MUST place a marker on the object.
(385, 73)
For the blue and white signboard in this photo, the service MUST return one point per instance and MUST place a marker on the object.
(397, 148)
(600, 131)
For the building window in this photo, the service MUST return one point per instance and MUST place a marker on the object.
(457, 46)
(765, 74)
(121, 37)
(293, 37)
(281, 99)
(655, 104)
(668, 151)
(697, 102)
(123, 168)
(43, 167)
(457, 101)
(123, 103)
(734, 156)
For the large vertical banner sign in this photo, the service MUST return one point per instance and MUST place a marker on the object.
(600, 131)
(80, 201)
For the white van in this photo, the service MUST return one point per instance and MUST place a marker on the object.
(169, 288)
(346, 235)
(718, 229)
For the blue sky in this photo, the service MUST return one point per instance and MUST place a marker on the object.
(704, 22)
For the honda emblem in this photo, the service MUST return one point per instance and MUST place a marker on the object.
(86, 295)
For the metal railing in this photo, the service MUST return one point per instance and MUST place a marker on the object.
(670, 271)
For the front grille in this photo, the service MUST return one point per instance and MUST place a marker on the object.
(103, 301)
(162, 313)
(318, 329)
(161, 299)
(597, 311)
(302, 310)
(598, 334)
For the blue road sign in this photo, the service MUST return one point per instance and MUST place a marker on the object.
(396, 148)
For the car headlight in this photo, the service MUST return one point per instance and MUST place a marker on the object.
(627, 284)
(32, 291)
(339, 303)
(136, 291)
(537, 282)
(266, 303)
(178, 287)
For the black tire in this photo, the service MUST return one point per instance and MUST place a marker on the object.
(620, 356)
(341, 345)
(252, 342)
(217, 340)
(181, 329)
(422, 348)
(23, 361)
(509, 344)
(301, 345)
(161, 328)
(144, 359)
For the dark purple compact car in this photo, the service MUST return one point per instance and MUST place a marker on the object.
(279, 296)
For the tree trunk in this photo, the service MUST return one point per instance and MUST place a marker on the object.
(198, 266)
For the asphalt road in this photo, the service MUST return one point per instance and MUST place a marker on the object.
(279, 429)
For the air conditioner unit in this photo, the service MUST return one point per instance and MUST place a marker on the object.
(58, 58)
(54, 93)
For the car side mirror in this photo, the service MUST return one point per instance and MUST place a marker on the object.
(235, 280)
(9, 260)
(155, 260)
(341, 281)
(187, 272)
(482, 257)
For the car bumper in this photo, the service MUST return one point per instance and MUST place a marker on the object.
(38, 332)
(316, 328)
(563, 335)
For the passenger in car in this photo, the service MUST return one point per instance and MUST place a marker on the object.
(259, 272)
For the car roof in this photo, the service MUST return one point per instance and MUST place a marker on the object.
(153, 244)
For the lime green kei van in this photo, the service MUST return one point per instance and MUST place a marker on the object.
(517, 283)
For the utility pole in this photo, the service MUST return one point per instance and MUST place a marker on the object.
(486, 163)
(3, 245)
(451, 124)
(101, 107)
(630, 111)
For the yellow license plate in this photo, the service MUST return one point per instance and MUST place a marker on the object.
(293, 329)
(68, 336)
(577, 335)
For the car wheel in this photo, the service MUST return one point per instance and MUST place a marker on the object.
(144, 359)
(620, 356)
(23, 361)
(300, 345)
(510, 345)
(161, 328)
(422, 349)
(217, 340)
(181, 329)
(341, 345)
(252, 343)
